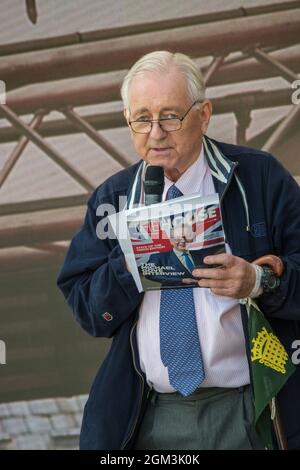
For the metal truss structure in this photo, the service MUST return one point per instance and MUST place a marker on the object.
(67, 72)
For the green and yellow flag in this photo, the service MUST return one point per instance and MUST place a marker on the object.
(271, 368)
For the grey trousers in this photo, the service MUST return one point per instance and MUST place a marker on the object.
(209, 419)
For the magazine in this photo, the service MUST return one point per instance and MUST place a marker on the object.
(165, 242)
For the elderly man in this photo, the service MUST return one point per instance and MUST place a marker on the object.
(177, 375)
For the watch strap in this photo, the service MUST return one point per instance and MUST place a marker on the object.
(257, 290)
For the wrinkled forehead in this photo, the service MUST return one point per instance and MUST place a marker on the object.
(153, 90)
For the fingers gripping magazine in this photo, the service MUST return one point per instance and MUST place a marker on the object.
(167, 241)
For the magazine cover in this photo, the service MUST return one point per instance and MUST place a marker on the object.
(169, 240)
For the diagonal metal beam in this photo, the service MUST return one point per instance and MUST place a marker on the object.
(91, 132)
(20, 147)
(44, 146)
(274, 64)
(258, 140)
(278, 135)
(213, 68)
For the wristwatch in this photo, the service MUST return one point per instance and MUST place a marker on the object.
(269, 280)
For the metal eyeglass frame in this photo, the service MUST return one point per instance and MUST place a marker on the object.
(164, 119)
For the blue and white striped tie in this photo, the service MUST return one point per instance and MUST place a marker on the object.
(179, 340)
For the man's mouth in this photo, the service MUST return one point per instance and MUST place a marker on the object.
(161, 149)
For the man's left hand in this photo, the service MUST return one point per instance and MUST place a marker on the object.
(234, 278)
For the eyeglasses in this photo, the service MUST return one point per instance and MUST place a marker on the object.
(144, 126)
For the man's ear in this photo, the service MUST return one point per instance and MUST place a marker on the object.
(126, 115)
(206, 112)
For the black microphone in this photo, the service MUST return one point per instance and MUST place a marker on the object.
(154, 184)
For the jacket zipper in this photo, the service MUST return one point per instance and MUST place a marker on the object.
(141, 395)
(225, 189)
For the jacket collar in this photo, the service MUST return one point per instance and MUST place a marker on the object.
(222, 170)
(221, 167)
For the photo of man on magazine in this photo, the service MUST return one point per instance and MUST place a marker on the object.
(167, 248)
(177, 263)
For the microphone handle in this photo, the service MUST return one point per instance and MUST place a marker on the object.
(152, 199)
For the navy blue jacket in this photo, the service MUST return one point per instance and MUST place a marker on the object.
(94, 281)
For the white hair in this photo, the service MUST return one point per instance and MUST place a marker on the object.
(163, 61)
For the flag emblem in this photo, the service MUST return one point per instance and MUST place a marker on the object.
(271, 368)
(269, 351)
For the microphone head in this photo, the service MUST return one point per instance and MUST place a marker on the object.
(154, 180)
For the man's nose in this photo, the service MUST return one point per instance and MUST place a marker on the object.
(156, 131)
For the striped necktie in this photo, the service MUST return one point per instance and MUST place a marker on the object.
(188, 262)
(179, 340)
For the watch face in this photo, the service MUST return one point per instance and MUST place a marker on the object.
(269, 280)
(272, 282)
